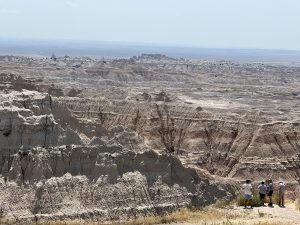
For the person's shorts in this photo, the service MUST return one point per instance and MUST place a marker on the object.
(248, 197)
(270, 193)
(262, 195)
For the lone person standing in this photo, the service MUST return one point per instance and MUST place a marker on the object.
(281, 190)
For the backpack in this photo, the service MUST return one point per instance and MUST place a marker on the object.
(270, 187)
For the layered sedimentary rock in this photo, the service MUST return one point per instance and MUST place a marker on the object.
(237, 149)
(73, 129)
(52, 169)
(101, 181)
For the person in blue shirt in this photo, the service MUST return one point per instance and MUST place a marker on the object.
(262, 189)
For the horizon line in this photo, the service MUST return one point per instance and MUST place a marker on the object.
(141, 44)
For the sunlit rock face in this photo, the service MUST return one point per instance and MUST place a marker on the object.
(52, 168)
(118, 138)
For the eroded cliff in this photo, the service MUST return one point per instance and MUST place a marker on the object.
(235, 147)
(54, 166)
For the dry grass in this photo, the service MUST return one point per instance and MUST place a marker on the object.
(207, 216)
(224, 203)
(297, 199)
(178, 216)
(272, 223)
(298, 205)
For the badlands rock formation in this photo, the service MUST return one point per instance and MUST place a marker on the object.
(51, 169)
(117, 138)
(236, 149)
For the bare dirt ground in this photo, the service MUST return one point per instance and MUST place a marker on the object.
(240, 216)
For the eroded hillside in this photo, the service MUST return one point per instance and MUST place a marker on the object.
(52, 167)
(148, 131)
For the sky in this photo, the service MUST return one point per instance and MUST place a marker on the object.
(260, 24)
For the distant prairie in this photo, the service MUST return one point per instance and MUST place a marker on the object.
(98, 49)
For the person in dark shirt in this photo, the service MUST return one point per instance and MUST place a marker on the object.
(270, 189)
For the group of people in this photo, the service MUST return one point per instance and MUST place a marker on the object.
(264, 189)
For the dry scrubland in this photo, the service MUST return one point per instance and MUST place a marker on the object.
(147, 136)
(212, 215)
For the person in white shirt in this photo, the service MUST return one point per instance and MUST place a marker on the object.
(248, 193)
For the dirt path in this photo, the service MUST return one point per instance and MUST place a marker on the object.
(287, 213)
(240, 216)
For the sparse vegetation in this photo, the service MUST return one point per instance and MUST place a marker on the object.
(261, 214)
(298, 204)
(256, 201)
(240, 201)
(224, 203)
(206, 216)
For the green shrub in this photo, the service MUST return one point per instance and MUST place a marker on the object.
(255, 200)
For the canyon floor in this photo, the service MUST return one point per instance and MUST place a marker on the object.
(130, 137)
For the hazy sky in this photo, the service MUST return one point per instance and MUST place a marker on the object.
(202, 23)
